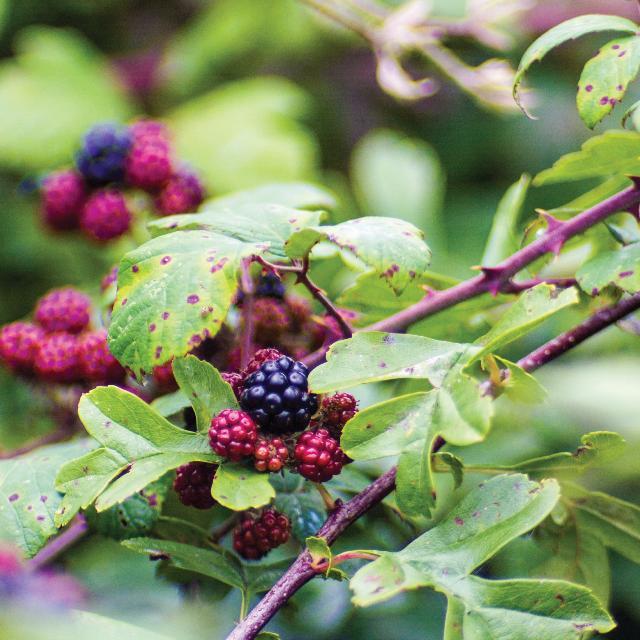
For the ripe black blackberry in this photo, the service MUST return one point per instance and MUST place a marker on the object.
(277, 396)
(270, 286)
(253, 538)
(193, 484)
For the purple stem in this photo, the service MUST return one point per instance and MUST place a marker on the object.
(246, 347)
(60, 543)
(498, 278)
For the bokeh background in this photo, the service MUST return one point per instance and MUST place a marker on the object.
(256, 91)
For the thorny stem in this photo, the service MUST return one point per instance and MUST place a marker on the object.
(491, 280)
(246, 348)
(60, 543)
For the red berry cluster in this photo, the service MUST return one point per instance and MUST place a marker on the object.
(254, 537)
(59, 346)
(91, 196)
(193, 484)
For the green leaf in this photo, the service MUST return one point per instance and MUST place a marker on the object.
(246, 133)
(444, 558)
(565, 31)
(304, 510)
(619, 267)
(391, 248)
(171, 404)
(239, 487)
(519, 385)
(319, 550)
(28, 498)
(294, 195)
(173, 292)
(138, 447)
(605, 78)
(374, 356)
(218, 564)
(400, 176)
(260, 576)
(268, 224)
(613, 152)
(454, 465)
(503, 240)
(615, 522)
(56, 87)
(87, 623)
(207, 391)
(532, 308)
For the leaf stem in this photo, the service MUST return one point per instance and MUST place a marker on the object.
(74, 532)
(246, 347)
(329, 503)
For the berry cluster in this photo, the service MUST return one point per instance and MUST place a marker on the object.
(254, 537)
(59, 346)
(113, 158)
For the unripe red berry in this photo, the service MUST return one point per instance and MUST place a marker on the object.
(63, 195)
(65, 309)
(270, 319)
(19, 344)
(336, 411)
(319, 455)
(233, 434)
(271, 454)
(235, 380)
(105, 215)
(182, 193)
(149, 163)
(259, 358)
(96, 362)
(193, 484)
(253, 538)
(57, 358)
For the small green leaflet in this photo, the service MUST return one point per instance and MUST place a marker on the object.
(532, 308)
(502, 240)
(374, 356)
(202, 384)
(28, 498)
(620, 268)
(444, 558)
(568, 30)
(519, 385)
(138, 447)
(296, 195)
(391, 248)
(268, 224)
(613, 152)
(240, 487)
(173, 292)
(605, 78)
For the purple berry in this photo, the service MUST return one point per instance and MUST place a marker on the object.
(19, 344)
(182, 193)
(65, 309)
(57, 358)
(105, 215)
(102, 156)
(63, 194)
(95, 361)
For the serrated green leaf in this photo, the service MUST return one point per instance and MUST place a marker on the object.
(502, 240)
(219, 564)
(620, 268)
(203, 385)
(295, 195)
(532, 308)
(605, 78)
(454, 464)
(318, 549)
(170, 404)
(28, 497)
(374, 356)
(613, 152)
(391, 248)
(565, 31)
(266, 224)
(443, 558)
(615, 522)
(238, 487)
(305, 511)
(138, 447)
(173, 292)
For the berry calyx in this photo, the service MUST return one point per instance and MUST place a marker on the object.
(105, 215)
(271, 454)
(63, 194)
(259, 358)
(96, 362)
(65, 309)
(57, 358)
(193, 484)
(336, 411)
(233, 434)
(253, 538)
(149, 163)
(270, 319)
(103, 152)
(182, 193)
(319, 455)
(235, 380)
(277, 396)
(19, 344)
